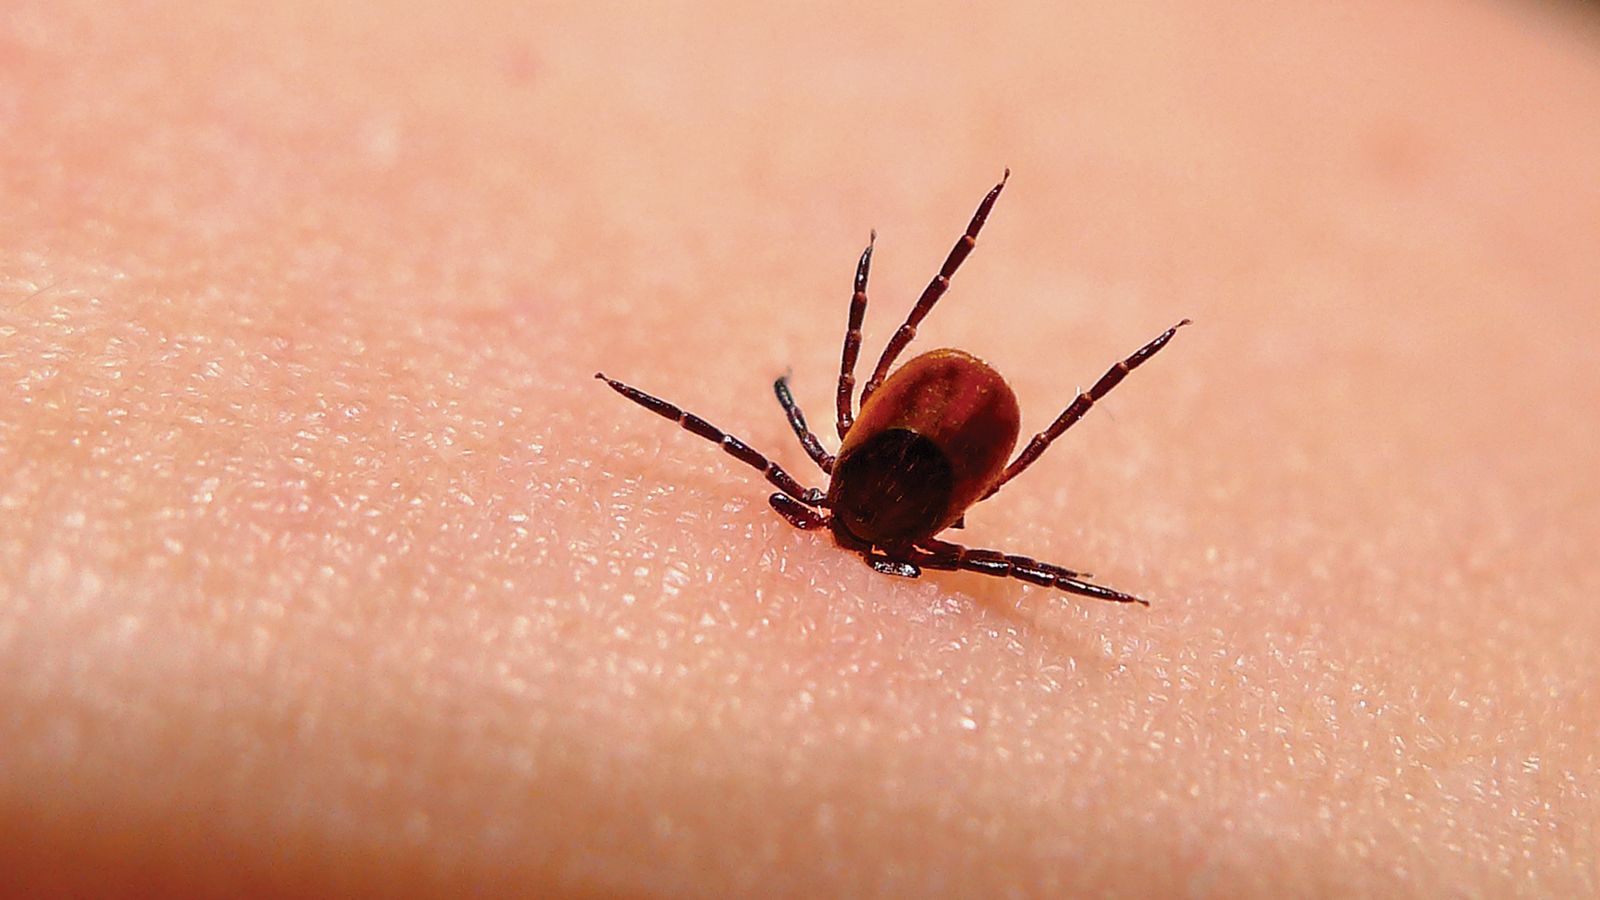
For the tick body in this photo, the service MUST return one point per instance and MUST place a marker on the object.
(929, 441)
(929, 444)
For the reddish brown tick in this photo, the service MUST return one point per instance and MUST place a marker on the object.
(930, 441)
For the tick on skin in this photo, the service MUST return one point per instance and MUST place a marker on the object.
(929, 441)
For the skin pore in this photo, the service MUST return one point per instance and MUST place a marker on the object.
(326, 567)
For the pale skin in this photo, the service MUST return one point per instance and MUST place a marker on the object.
(329, 568)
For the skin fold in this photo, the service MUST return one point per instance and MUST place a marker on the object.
(327, 568)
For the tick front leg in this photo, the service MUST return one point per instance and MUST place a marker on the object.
(796, 513)
(937, 554)
(734, 447)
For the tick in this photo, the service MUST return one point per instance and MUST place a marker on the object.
(929, 440)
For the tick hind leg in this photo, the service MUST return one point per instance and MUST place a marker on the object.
(735, 448)
(943, 555)
(1081, 405)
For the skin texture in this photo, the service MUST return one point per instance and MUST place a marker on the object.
(327, 567)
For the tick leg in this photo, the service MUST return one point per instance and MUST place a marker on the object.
(736, 448)
(852, 341)
(796, 513)
(937, 554)
(797, 421)
(931, 295)
(1073, 413)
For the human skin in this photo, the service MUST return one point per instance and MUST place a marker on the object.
(329, 569)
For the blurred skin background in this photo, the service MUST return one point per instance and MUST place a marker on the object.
(326, 567)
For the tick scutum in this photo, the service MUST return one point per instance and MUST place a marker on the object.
(892, 488)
